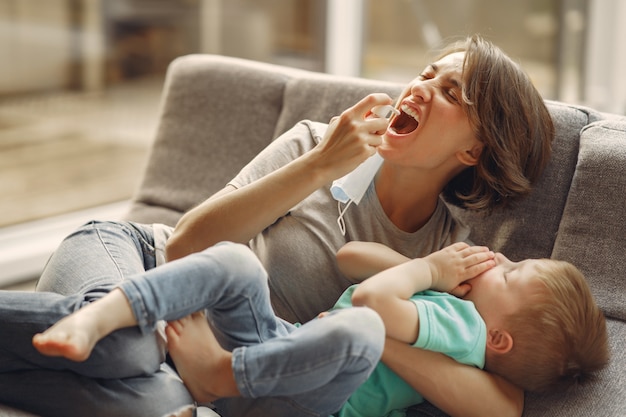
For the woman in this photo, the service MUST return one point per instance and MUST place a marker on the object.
(471, 125)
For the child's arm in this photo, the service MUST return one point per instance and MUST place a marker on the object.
(361, 260)
(388, 292)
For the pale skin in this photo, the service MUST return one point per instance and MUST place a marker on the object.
(414, 161)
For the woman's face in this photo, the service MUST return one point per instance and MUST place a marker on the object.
(433, 126)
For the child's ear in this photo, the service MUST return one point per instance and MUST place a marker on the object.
(471, 156)
(499, 341)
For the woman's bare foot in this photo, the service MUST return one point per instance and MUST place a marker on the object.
(75, 336)
(201, 362)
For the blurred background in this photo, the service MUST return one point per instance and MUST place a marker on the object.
(80, 80)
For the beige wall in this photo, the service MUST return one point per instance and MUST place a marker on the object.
(35, 45)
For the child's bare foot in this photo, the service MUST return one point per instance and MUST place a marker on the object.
(73, 338)
(201, 362)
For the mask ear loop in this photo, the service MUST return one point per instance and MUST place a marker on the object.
(340, 221)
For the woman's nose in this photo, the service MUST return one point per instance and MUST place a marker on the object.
(422, 90)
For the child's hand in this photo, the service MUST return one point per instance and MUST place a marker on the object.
(459, 262)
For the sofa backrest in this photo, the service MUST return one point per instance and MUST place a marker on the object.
(217, 113)
(592, 234)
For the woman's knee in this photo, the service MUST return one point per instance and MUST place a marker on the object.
(95, 254)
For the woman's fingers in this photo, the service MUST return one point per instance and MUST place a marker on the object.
(374, 124)
(364, 107)
(352, 136)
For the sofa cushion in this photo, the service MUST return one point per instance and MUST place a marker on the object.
(593, 230)
(529, 229)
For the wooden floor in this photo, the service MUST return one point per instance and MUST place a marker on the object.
(62, 152)
(68, 174)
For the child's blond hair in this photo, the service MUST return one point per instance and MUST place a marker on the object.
(559, 336)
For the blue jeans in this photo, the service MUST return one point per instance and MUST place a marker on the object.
(127, 371)
(309, 370)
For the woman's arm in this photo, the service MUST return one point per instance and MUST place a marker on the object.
(457, 389)
(240, 214)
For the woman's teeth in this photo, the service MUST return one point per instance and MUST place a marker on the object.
(406, 122)
(410, 111)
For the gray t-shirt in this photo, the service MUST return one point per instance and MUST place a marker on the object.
(299, 249)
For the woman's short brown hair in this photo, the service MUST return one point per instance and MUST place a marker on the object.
(510, 118)
(559, 336)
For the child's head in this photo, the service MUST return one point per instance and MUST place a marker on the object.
(558, 333)
(510, 118)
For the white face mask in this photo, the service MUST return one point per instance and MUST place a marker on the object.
(352, 187)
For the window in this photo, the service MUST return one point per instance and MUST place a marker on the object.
(81, 80)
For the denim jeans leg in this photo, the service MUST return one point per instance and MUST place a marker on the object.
(310, 370)
(314, 369)
(98, 254)
(53, 386)
(227, 280)
(66, 394)
(94, 259)
(87, 265)
(23, 314)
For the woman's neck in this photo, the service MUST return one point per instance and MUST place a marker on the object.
(408, 200)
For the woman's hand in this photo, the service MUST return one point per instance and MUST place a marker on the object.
(352, 137)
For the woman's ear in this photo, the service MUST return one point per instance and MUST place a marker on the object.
(499, 341)
(471, 156)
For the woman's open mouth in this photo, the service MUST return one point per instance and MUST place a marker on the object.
(406, 122)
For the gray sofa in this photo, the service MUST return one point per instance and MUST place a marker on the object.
(218, 112)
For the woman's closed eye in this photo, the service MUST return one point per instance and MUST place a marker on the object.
(452, 95)
(426, 75)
